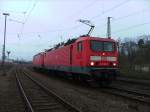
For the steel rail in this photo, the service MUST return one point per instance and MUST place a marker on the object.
(131, 95)
(133, 91)
(134, 81)
(27, 102)
(70, 107)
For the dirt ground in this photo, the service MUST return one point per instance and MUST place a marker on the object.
(10, 100)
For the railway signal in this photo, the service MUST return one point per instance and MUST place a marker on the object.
(8, 53)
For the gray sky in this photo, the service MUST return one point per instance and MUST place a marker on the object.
(47, 22)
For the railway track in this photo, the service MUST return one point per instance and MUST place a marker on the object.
(38, 98)
(134, 81)
(129, 93)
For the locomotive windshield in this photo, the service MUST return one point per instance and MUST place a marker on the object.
(99, 46)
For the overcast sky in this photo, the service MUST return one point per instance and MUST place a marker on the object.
(35, 25)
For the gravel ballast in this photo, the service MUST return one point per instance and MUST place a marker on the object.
(89, 99)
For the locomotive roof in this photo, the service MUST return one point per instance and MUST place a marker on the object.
(82, 38)
(39, 53)
(95, 38)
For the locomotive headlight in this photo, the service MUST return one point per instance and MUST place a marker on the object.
(114, 64)
(92, 63)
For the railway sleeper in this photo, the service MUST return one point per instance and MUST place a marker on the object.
(46, 104)
(50, 107)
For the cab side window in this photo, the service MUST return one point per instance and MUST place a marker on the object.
(79, 46)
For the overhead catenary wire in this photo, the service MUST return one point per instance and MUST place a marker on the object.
(11, 11)
(130, 15)
(30, 11)
(77, 26)
(110, 9)
(16, 21)
(27, 17)
(55, 30)
(86, 6)
(48, 31)
(74, 27)
(131, 27)
(123, 17)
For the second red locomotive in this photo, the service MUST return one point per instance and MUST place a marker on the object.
(88, 58)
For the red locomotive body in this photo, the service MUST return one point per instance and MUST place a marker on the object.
(87, 58)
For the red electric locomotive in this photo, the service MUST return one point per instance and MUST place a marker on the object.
(88, 58)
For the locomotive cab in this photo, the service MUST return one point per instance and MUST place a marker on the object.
(103, 58)
(98, 57)
(103, 54)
